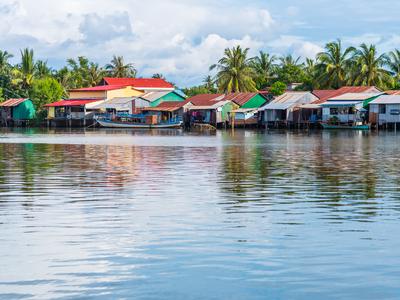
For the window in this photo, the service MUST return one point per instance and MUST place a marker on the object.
(382, 108)
(352, 110)
(334, 111)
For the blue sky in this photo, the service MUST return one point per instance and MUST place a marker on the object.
(182, 38)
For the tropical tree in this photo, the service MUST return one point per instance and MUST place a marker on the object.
(371, 67)
(277, 88)
(5, 65)
(234, 71)
(42, 69)
(118, 68)
(95, 74)
(158, 76)
(44, 91)
(290, 70)
(393, 62)
(264, 67)
(334, 64)
(209, 84)
(24, 73)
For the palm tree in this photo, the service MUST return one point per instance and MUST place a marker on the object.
(23, 74)
(393, 63)
(158, 76)
(4, 64)
(289, 61)
(118, 68)
(334, 64)
(42, 69)
(234, 71)
(371, 69)
(264, 66)
(209, 84)
(95, 74)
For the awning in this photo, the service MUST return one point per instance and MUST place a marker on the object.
(342, 103)
(278, 106)
(310, 106)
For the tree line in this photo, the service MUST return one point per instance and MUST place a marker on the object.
(332, 68)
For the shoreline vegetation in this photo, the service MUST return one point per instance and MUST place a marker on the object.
(236, 71)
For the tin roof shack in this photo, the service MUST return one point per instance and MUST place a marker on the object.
(72, 112)
(169, 112)
(14, 112)
(285, 108)
(155, 98)
(210, 109)
(347, 108)
(125, 105)
(385, 110)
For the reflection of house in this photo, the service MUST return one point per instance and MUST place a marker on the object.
(385, 110)
(210, 109)
(285, 108)
(16, 111)
(346, 108)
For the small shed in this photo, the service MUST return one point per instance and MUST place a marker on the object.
(17, 111)
(385, 110)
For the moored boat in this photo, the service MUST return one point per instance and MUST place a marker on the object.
(352, 127)
(138, 122)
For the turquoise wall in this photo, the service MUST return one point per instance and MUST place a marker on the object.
(255, 102)
(169, 97)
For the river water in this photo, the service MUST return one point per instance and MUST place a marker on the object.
(170, 215)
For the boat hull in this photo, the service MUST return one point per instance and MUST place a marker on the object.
(355, 127)
(111, 124)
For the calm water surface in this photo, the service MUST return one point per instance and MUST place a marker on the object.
(172, 215)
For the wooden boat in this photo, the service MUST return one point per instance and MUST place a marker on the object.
(352, 127)
(116, 124)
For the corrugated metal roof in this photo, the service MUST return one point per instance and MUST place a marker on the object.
(140, 83)
(355, 96)
(211, 106)
(240, 98)
(387, 99)
(393, 92)
(71, 102)
(100, 88)
(324, 95)
(342, 103)
(115, 103)
(290, 99)
(154, 96)
(12, 102)
(206, 99)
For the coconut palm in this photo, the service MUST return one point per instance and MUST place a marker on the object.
(209, 84)
(264, 66)
(393, 63)
(371, 67)
(334, 64)
(158, 76)
(23, 74)
(42, 69)
(234, 71)
(289, 60)
(118, 68)
(4, 61)
(95, 74)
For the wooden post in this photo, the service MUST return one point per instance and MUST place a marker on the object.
(84, 116)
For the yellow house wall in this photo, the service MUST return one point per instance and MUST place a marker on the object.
(122, 93)
(51, 113)
(84, 95)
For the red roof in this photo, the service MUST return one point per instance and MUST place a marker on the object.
(173, 104)
(240, 98)
(393, 92)
(206, 99)
(100, 88)
(72, 102)
(325, 95)
(149, 83)
(12, 102)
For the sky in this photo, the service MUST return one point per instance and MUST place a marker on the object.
(182, 38)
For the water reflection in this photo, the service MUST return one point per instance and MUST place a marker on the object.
(165, 214)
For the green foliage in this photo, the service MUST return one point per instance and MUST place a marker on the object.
(45, 91)
(235, 73)
(277, 88)
(264, 68)
(118, 68)
(196, 90)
